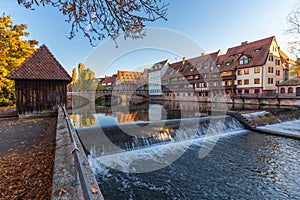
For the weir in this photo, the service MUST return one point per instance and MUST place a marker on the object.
(109, 140)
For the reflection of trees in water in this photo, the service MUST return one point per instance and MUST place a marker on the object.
(83, 120)
(87, 120)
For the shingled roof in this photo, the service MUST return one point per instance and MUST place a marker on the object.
(257, 51)
(41, 65)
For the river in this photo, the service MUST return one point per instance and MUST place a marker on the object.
(237, 163)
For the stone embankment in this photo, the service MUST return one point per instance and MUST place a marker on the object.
(64, 184)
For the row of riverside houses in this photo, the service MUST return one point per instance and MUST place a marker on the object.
(252, 68)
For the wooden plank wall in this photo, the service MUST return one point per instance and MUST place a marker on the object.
(39, 95)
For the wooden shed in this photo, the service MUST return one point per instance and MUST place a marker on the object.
(41, 83)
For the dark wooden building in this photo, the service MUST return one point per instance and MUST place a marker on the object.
(41, 83)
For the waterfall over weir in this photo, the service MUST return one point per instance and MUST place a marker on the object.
(101, 141)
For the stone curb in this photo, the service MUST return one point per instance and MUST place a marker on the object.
(63, 181)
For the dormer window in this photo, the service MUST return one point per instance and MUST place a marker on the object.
(191, 69)
(244, 60)
(231, 56)
(218, 65)
(257, 50)
(228, 63)
(240, 54)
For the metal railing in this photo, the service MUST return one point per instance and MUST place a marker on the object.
(264, 96)
(79, 172)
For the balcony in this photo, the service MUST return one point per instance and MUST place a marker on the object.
(229, 77)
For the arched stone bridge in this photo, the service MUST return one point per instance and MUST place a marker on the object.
(87, 98)
(92, 95)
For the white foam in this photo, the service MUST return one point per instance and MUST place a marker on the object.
(256, 114)
(291, 127)
(151, 158)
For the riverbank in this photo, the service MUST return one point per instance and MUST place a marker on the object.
(26, 157)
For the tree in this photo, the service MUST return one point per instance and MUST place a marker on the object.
(74, 76)
(100, 19)
(293, 30)
(81, 67)
(13, 51)
(86, 78)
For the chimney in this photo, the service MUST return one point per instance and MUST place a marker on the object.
(244, 43)
(183, 60)
(202, 53)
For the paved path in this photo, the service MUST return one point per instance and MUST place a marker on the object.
(19, 136)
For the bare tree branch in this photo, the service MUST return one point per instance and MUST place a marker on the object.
(100, 19)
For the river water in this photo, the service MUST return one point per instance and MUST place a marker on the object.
(239, 164)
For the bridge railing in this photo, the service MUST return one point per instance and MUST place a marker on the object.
(109, 91)
(264, 96)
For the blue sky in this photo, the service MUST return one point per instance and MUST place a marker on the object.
(213, 25)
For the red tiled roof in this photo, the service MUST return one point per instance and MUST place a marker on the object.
(222, 60)
(157, 66)
(41, 65)
(257, 51)
(199, 63)
(109, 80)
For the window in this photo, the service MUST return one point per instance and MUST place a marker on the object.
(246, 71)
(270, 69)
(290, 90)
(256, 50)
(271, 58)
(191, 69)
(231, 56)
(228, 82)
(218, 65)
(239, 82)
(246, 91)
(277, 62)
(244, 61)
(256, 70)
(257, 91)
(240, 72)
(240, 91)
(256, 81)
(246, 82)
(270, 80)
(277, 72)
(228, 63)
(190, 77)
(282, 90)
(228, 73)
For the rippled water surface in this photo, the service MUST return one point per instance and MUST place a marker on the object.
(242, 165)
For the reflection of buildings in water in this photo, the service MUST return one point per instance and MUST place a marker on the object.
(128, 117)
(182, 109)
(155, 112)
(165, 134)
